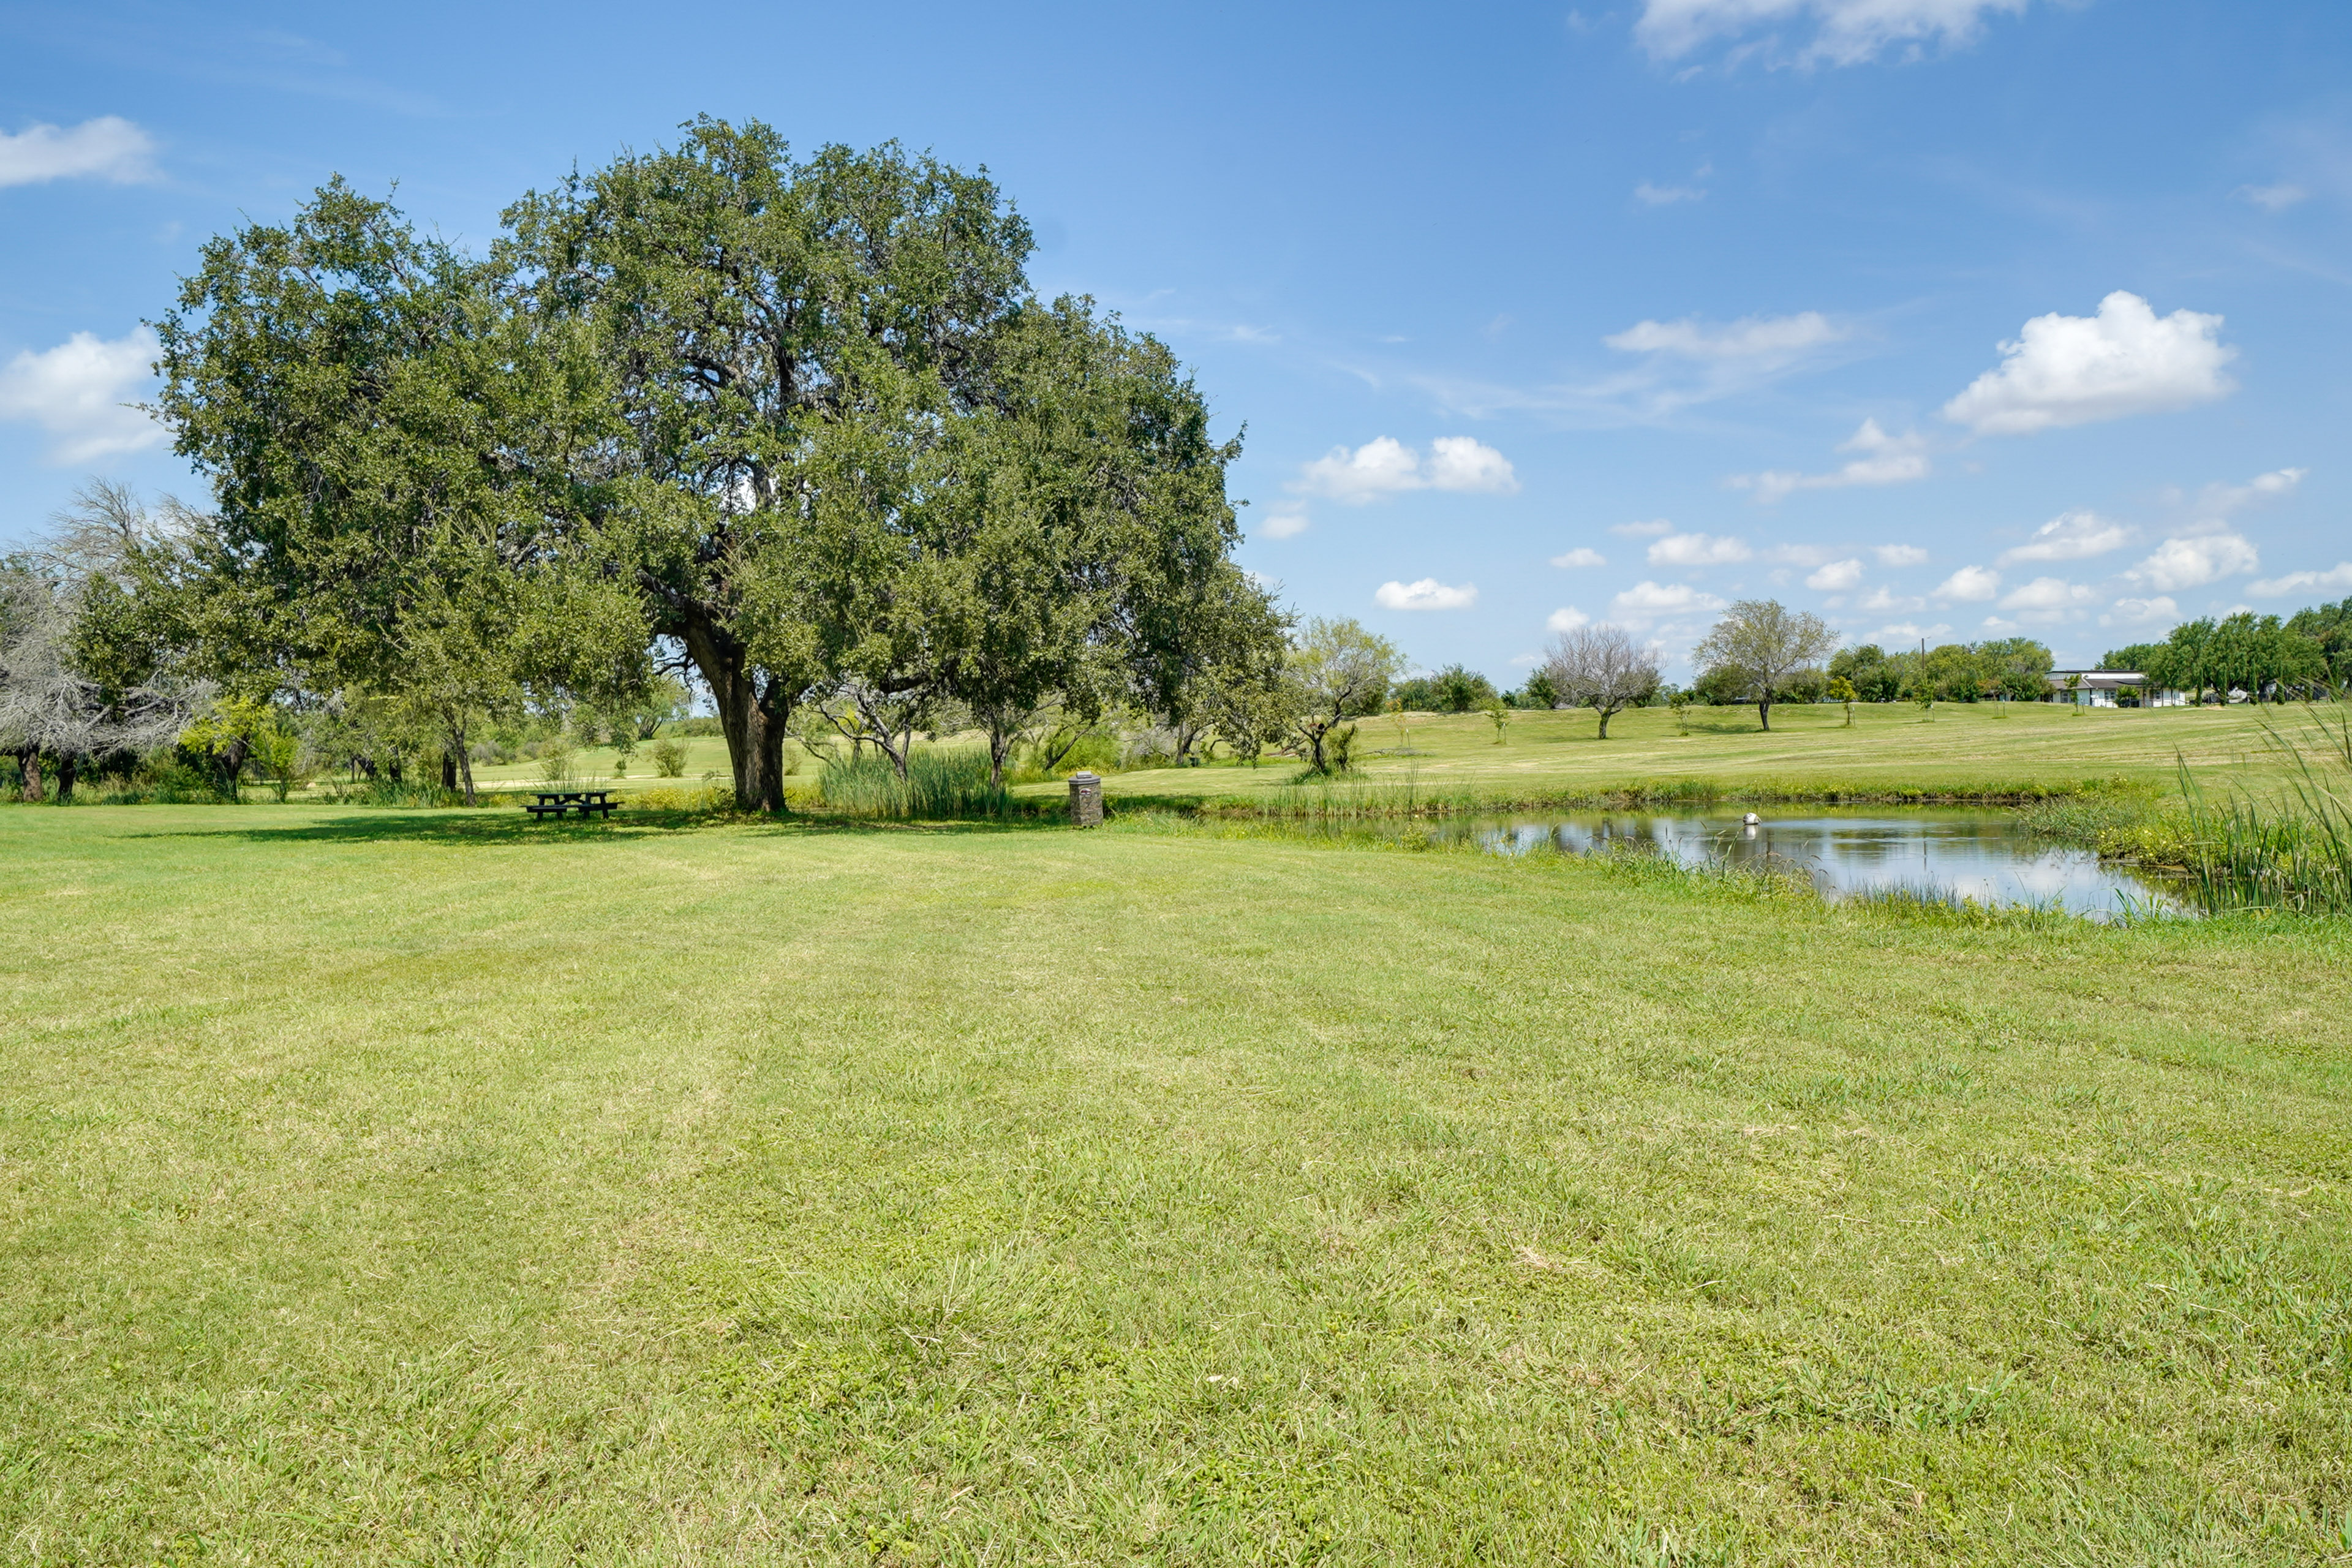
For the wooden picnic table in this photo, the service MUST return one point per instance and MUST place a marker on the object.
(586, 802)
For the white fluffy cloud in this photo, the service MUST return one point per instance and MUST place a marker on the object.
(2336, 576)
(2140, 612)
(1650, 530)
(1842, 32)
(1899, 555)
(1567, 618)
(2077, 370)
(108, 148)
(2047, 595)
(1837, 577)
(77, 392)
(2192, 563)
(1384, 465)
(2070, 536)
(1769, 338)
(1884, 461)
(1970, 583)
(1578, 558)
(1646, 602)
(1697, 550)
(1429, 594)
(1885, 601)
(1460, 463)
(1285, 524)
(1651, 195)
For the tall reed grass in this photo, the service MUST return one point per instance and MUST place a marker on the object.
(2291, 850)
(941, 784)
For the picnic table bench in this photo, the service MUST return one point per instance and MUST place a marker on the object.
(586, 802)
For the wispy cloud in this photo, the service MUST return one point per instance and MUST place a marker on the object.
(1579, 559)
(107, 148)
(1815, 31)
(1676, 365)
(2336, 576)
(1651, 195)
(1884, 461)
(2271, 198)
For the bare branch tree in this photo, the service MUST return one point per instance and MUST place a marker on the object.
(49, 706)
(1602, 669)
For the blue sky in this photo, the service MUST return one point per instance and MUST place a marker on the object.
(1945, 317)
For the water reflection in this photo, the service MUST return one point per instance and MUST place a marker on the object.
(1976, 855)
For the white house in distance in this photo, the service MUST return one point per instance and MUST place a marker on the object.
(2101, 688)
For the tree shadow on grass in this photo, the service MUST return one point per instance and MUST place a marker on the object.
(379, 826)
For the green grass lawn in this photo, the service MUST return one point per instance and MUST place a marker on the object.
(430, 1187)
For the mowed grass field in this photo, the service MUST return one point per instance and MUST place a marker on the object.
(1965, 748)
(389, 1187)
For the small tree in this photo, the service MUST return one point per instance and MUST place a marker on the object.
(1841, 691)
(1759, 646)
(1499, 714)
(1539, 692)
(1603, 668)
(1341, 672)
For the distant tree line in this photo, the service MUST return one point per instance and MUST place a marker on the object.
(2261, 656)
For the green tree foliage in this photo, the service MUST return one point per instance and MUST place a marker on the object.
(2329, 627)
(1538, 692)
(2258, 655)
(1874, 677)
(798, 424)
(1759, 648)
(397, 464)
(1452, 689)
(1337, 671)
(783, 340)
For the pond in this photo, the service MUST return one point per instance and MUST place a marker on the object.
(1944, 854)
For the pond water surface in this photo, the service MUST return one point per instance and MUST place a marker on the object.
(1986, 856)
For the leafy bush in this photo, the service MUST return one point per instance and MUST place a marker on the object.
(669, 758)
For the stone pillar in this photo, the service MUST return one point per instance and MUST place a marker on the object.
(1085, 800)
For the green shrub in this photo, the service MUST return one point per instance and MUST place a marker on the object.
(669, 758)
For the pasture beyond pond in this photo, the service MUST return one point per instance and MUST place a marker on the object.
(1966, 747)
(393, 1186)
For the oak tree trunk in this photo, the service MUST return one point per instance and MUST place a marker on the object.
(1764, 712)
(30, 762)
(748, 716)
